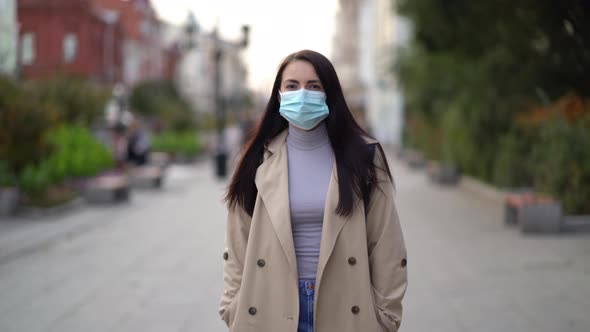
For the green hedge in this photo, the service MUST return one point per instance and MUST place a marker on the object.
(24, 121)
(76, 154)
(560, 162)
(78, 100)
(186, 143)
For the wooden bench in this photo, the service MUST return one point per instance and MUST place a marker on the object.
(147, 177)
(534, 213)
(107, 189)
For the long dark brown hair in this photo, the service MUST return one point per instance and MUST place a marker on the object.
(354, 163)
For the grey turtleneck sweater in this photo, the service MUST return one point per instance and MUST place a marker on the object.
(311, 159)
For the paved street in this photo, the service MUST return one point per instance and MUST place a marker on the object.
(152, 265)
(469, 272)
(155, 265)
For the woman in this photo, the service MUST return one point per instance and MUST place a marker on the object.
(313, 238)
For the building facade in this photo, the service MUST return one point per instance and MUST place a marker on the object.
(197, 71)
(368, 34)
(109, 41)
(346, 57)
(69, 37)
(384, 32)
(8, 37)
(143, 49)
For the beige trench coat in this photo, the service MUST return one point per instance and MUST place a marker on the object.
(361, 275)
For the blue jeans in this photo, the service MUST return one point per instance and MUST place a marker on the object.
(306, 296)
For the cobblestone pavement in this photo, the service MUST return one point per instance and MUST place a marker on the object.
(155, 264)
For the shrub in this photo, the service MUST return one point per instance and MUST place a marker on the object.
(76, 153)
(7, 177)
(561, 162)
(35, 181)
(161, 100)
(78, 100)
(24, 121)
(511, 164)
(172, 142)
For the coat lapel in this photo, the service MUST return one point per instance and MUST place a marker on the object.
(332, 225)
(272, 181)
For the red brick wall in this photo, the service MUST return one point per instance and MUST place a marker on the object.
(50, 24)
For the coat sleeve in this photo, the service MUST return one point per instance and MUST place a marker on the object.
(387, 251)
(236, 241)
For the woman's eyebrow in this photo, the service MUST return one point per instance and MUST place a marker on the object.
(290, 80)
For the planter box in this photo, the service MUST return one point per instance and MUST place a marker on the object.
(443, 174)
(107, 189)
(540, 218)
(43, 212)
(185, 159)
(534, 213)
(147, 177)
(159, 159)
(415, 159)
(9, 200)
(514, 202)
(576, 223)
(400, 153)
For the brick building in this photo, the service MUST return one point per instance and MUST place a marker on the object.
(69, 36)
(105, 40)
(143, 51)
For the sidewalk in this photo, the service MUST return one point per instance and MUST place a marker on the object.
(22, 235)
(155, 264)
(470, 272)
(151, 265)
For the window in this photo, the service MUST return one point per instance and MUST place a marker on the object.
(70, 47)
(28, 48)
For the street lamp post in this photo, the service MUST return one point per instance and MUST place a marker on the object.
(219, 46)
(221, 148)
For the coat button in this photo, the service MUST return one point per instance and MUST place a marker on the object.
(404, 262)
(355, 309)
(352, 261)
(261, 262)
(225, 255)
(252, 311)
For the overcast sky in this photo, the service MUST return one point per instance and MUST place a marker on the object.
(277, 28)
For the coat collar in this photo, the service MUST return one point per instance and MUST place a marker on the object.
(272, 182)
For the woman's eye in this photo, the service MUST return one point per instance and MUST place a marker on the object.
(315, 87)
(290, 86)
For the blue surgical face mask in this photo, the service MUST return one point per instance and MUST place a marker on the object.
(304, 108)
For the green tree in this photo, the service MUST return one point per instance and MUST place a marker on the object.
(474, 67)
(161, 100)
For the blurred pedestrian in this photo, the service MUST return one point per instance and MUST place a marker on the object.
(138, 148)
(120, 145)
(313, 238)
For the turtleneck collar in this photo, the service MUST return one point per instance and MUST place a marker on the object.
(308, 139)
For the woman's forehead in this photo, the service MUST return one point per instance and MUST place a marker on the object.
(299, 70)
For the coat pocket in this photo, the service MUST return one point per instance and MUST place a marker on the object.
(380, 315)
(231, 310)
